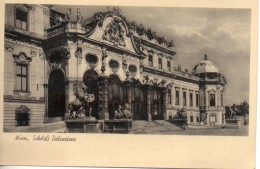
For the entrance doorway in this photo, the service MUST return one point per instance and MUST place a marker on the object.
(116, 95)
(56, 96)
(138, 105)
(90, 80)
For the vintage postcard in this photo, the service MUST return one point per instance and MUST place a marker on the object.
(168, 84)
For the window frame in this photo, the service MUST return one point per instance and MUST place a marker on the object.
(160, 63)
(177, 97)
(169, 65)
(21, 76)
(150, 60)
(212, 101)
(191, 99)
(169, 96)
(184, 98)
(27, 19)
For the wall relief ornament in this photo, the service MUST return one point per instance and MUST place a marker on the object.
(33, 53)
(22, 58)
(65, 52)
(98, 16)
(78, 54)
(9, 48)
(114, 32)
(54, 65)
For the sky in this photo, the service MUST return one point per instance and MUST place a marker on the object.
(222, 34)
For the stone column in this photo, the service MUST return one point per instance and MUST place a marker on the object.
(148, 95)
(164, 106)
(181, 97)
(45, 102)
(103, 97)
(194, 98)
(129, 93)
(69, 94)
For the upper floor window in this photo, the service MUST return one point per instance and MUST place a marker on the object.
(191, 99)
(21, 19)
(160, 63)
(184, 99)
(151, 60)
(22, 77)
(221, 99)
(177, 95)
(169, 65)
(169, 96)
(197, 99)
(212, 101)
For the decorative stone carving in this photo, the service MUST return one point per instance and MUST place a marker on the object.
(132, 28)
(104, 56)
(9, 48)
(41, 55)
(68, 13)
(78, 54)
(46, 11)
(114, 33)
(82, 101)
(54, 65)
(79, 17)
(99, 18)
(141, 67)
(22, 58)
(124, 63)
(33, 53)
(65, 52)
(116, 10)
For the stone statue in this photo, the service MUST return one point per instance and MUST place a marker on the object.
(123, 113)
(81, 102)
(68, 13)
(78, 15)
(127, 111)
(118, 113)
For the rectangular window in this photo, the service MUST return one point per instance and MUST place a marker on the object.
(22, 77)
(191, 99)
(21, 19)
(184, 99)
(197, 99)
(160, 63)
(191, 119)
(151, 60)
(221, 99)
(169, 96)
(212, 100)
(169, 65)
(177, 101)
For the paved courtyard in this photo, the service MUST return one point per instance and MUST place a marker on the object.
(159, 127)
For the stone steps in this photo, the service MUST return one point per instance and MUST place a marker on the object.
(141, 126)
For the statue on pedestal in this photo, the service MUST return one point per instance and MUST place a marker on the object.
(82, 101)
(123, 113)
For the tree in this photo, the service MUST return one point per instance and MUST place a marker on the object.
(245, 108)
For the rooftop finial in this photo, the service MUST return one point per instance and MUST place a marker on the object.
(205, 57)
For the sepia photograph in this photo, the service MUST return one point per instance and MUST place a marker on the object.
(102, 69)
(149, 84)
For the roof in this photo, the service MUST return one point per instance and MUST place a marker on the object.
(206, 66)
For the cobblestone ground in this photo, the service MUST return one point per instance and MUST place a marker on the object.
(142, 127)
(165, 128)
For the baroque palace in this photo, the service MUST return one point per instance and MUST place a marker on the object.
(46, 53)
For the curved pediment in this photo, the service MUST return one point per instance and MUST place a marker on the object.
(112, 29)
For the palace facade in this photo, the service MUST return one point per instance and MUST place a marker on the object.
(120, 62)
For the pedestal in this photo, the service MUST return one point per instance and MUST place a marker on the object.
(82, 126)
(121, 126)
